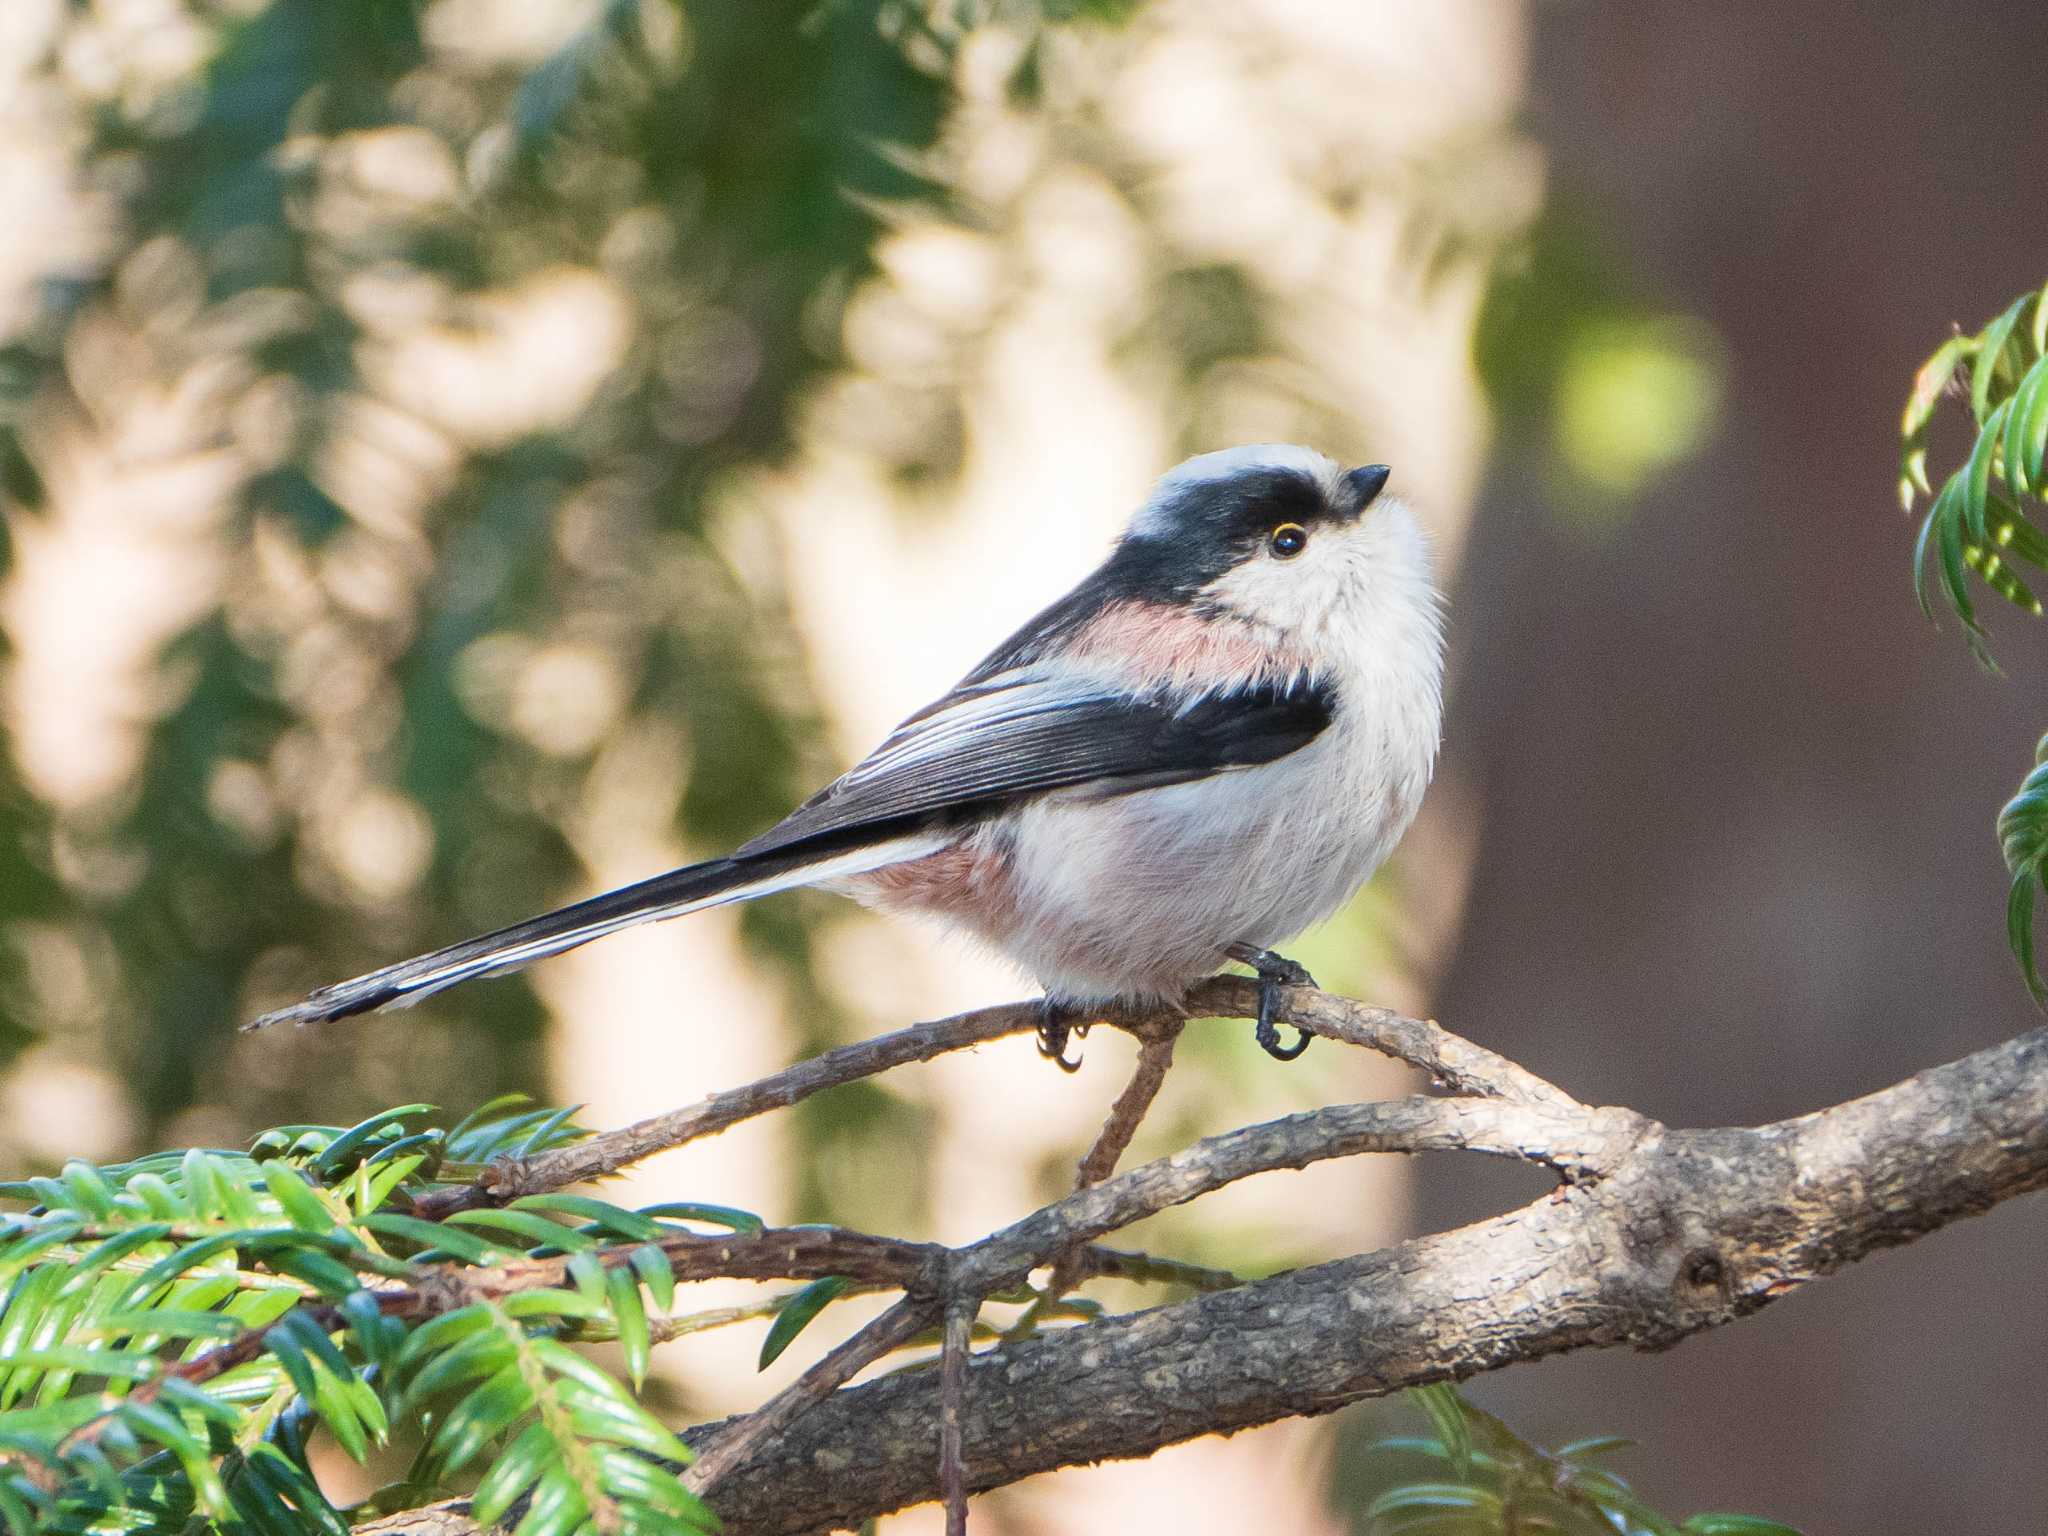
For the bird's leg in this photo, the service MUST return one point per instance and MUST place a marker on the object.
(1275, 972)
(1056, 1021)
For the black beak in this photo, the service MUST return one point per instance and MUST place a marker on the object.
(1364, 484)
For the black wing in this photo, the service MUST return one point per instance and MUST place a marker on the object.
(996, 741)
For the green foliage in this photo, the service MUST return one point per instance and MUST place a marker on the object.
(805, 1305)
(174, 1329)
(1473, 1476)
(2023, 835)
(1981, 523)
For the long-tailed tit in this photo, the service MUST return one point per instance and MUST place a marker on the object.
(1204, 748)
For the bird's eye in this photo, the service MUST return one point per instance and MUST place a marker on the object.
(1287, 541)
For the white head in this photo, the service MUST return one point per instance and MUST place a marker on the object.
(1284, 538)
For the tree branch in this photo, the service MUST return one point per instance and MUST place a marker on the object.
(1690, 1230)
(1654, 1234)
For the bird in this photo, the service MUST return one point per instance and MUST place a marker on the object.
(1202, 750)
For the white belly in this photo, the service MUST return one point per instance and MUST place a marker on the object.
(1137, 896)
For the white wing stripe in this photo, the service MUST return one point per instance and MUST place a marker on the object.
(937, 734)
(859, 861)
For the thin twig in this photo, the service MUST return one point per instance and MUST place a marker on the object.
(1123, 1264)
(1092, 1261)
(953, 1412)
(796, 1253)
(1581, 1143)
(773, 1253)
(901, 1322)
(1155, 1056)
(600, 1155)
(1452, 1061)
(678, 1325)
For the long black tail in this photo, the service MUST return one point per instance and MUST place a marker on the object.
(669, 895)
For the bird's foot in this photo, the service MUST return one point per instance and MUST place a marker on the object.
(1056, 1022)
(1275, 972)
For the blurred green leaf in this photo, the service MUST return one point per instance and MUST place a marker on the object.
(2023, 838)
(1500, 1484)
(1977, 521)
(630, 1318)
(715, 1215)
(797, 1314)
(1447, 1418)
(1416, 1497)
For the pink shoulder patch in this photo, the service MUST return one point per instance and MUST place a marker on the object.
(1148, 643)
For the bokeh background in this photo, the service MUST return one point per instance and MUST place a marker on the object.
(459, 456)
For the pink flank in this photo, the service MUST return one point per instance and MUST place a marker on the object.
(968, 883)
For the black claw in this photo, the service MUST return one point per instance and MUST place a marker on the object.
(1055, 1024)
(1267, 1034)
(1275, 972)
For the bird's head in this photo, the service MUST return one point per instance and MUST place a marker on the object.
(1281, 537)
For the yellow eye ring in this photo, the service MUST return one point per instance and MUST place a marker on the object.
(1287, 541)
